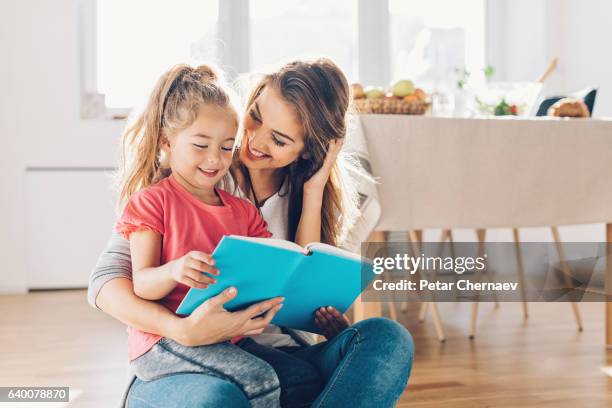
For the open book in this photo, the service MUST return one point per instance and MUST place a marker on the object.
(263, 268)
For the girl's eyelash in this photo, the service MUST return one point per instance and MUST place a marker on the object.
(226, 149)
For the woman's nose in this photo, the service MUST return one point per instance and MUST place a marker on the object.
(257, 141)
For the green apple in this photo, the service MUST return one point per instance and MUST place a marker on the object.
(403, 88)
(374, 93)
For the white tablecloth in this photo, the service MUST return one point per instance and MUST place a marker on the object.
(487, 173)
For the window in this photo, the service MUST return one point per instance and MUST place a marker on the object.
(430, 39)
(137, 40)
(127, 44)
(295, 29)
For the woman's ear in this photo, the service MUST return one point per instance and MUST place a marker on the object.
(306, 155)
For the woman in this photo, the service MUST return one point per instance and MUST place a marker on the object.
(289, 166)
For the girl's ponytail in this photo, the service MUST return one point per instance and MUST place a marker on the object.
(173, 105)
(208, 74)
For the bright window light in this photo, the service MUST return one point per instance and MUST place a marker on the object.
(282, 31)
(430, 39)
(137, 40)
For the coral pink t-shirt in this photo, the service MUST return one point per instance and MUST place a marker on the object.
(186, 224)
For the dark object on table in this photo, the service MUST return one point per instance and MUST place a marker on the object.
(569, 108)
(587, 96)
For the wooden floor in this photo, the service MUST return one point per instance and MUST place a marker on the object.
(56, 339)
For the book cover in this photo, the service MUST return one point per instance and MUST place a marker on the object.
(263, 268)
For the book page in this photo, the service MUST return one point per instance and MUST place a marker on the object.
(277, 243)
(332, 250)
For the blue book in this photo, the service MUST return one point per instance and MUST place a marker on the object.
(263, 268)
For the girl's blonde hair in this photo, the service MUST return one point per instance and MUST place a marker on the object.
(173, 105)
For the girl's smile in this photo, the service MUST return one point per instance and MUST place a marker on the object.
(201, 154)
(209, 173)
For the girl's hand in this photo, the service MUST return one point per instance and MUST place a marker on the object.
(316, 183)
(189, 270)
(331, 321)
(210, 323)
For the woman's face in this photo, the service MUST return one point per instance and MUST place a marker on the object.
(273, 135)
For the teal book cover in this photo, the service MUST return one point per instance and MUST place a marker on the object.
(308, 278)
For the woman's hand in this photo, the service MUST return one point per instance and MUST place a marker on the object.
(210, 323)
(316, 183)
(331, 321)
(189, 269)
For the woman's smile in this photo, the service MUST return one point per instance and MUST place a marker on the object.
(255, 154)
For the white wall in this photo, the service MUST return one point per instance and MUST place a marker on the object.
(39, 85)
(39, 109)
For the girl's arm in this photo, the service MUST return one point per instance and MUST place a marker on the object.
(153, 281)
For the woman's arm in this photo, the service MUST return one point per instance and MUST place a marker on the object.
(309, 227)
(118, 299)
(111, 290)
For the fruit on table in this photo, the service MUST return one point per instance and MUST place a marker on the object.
(411, 98)
(420, 94)
(374, 93)
(357, 90)
(403, 88)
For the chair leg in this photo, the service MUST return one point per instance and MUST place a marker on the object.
(520, 269)
(561, 252)
(416, 238)
(446, 234)
(364, 310)
(403, 303)
(480, 236)
(423, 311)
(391, 304)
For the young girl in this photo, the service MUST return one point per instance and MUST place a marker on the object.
(173, 157)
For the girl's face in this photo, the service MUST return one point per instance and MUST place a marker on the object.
(202, 153)
(273, 135)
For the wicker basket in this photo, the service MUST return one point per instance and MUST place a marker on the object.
(391, 106)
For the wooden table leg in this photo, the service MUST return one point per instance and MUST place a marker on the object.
(608, 287)
(365, 310)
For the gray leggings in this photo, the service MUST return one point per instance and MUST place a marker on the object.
(255, 377)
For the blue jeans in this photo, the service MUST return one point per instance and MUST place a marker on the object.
(367, 365)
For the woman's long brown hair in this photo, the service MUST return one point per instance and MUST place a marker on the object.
(319, 93)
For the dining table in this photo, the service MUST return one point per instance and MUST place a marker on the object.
(491, 172)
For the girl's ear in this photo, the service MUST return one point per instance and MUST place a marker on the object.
(164, 143)
(306, 155)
